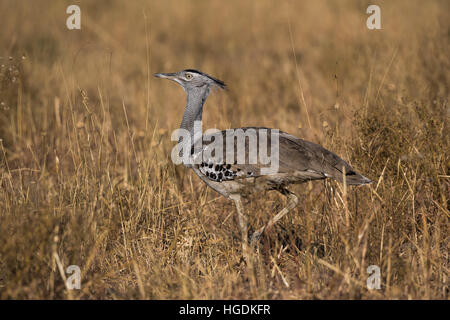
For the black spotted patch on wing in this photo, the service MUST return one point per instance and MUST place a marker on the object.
(221, 172)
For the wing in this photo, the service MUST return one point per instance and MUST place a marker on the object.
(222, 161)
(304, 156)
(298, 160)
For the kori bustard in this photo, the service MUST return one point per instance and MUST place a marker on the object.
(298, 160)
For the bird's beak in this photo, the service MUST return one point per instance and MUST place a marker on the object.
(170, 76)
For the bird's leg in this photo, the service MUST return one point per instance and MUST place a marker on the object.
(292, 203)
(242, 225)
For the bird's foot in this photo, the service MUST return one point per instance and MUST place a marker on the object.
(256, 236)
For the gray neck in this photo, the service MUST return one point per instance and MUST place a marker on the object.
(194, 107)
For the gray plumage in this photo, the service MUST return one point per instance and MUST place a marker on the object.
(299, 160)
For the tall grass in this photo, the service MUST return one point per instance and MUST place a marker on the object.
(86, 177)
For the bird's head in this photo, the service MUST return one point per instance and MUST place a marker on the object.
(192, 79)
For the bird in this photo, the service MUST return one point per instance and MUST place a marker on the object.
(299, 160)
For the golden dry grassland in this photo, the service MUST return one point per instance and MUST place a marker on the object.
(86, 176)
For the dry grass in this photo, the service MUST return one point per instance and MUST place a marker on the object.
(85, 170)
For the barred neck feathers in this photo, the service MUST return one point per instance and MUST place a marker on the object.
(196, 97)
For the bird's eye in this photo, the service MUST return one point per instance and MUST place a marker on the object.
(188, 76)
